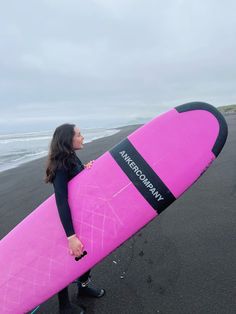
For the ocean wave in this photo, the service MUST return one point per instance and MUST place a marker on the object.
(31, 156)
(25, 147)
(12, 140)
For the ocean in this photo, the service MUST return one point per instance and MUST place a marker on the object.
(19, 148)
(23, 139)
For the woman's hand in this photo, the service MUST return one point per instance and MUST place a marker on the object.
(75, 246)
(89, 164)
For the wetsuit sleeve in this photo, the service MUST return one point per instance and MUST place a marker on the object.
(60, 184)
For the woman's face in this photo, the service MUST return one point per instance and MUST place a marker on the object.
(78, 139)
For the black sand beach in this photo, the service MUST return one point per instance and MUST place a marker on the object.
(184, 262)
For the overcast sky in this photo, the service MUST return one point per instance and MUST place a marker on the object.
(101, 58)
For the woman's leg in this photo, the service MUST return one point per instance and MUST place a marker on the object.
(84, 289)
(65, 307)
(84, 279)
(63, 298)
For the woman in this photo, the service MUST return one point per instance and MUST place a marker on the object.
(62, 166)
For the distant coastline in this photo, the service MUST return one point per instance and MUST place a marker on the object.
(229, 109)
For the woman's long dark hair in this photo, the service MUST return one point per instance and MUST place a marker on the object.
(61, 152)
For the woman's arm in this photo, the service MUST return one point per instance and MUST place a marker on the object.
(60, 184)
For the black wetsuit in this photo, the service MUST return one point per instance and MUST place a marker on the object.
(60, 183)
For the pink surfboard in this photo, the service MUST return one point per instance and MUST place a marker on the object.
(125, 189)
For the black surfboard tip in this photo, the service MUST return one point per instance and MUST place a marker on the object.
(223, 131)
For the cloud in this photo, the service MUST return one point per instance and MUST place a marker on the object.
(115, 54)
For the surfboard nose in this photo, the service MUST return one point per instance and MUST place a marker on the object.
(180, 144)
(223, 128)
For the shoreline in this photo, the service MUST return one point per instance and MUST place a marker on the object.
(45, 156)
(120, 129)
